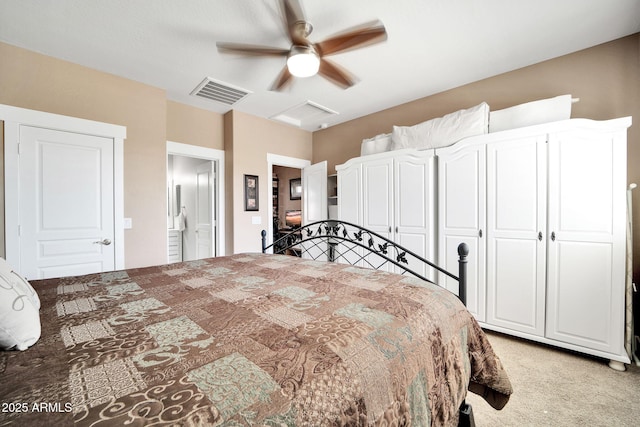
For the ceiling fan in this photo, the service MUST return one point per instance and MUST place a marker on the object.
(304, 58)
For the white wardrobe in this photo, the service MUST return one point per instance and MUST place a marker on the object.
(543, 210)
(392, 194)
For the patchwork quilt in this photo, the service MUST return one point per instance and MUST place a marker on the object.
(248, 339)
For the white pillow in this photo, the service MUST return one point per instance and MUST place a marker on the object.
(531, 113)
(443, 131)
(19, 310)
(377, 144)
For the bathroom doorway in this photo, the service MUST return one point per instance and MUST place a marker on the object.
(195, 202)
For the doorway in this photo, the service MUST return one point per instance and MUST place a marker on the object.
(287, 199)
(291, 163)
(314, 189)
(34, 144)
(195, 202)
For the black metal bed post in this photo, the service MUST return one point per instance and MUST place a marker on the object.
(463, 251)
(264, 240)
(466, 411)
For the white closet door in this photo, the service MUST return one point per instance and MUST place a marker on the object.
(413, 209)
(349, 210)
(461, 219)
(66, 203)
(516, 244)
(377, 209)
(587, 183)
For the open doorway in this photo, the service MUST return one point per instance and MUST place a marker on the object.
(293, 166)
(195, 202)
(286, 196)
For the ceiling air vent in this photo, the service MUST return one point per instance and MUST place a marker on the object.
(219, 91)
(305, 114)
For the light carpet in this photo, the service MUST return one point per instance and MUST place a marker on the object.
(555, 387)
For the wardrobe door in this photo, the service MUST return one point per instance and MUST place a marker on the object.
(461, 218)
(377, 203)
(413, 208)
(516, 247)
(586, 250)
(349, 210)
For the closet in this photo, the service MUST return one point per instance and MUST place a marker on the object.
(543, 210)
(462, 217)
(391, 194)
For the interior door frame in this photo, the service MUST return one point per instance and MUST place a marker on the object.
(13, 118)
(212, 154)
(278, 160)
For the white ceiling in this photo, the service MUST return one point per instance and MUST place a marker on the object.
(432, 46)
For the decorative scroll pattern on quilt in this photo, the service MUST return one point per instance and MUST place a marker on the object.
(249, 339)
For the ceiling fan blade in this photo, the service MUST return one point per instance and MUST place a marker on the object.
(357, 37)
(283, 79)
(297, 26)
(336, 74)
(248, 49)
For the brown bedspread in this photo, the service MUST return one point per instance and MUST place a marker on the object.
(249, 339)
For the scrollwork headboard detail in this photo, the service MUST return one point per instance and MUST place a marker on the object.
(344, 242)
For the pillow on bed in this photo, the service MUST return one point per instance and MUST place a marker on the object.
(19, 310)
(377, 144)
(443, 131)
(531, 113)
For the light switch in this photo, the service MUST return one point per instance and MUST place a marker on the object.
(127, 223)
(256, 220)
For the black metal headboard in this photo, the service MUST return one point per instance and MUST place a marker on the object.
(344, 242)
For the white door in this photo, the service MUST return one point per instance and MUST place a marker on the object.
(314, 193)
(377, 205)
(349, 210)
(205, 221)
(516, 230)
(413, 209)
(461, 219)
(587, 183)
(314, 205)
(66, 203)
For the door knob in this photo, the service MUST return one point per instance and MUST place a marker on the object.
(105, 242)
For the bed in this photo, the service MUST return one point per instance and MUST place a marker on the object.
(253, 339)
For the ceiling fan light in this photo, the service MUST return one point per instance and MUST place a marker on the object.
(303, 61)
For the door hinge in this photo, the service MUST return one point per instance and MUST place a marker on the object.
(19, 148)
(19, 230)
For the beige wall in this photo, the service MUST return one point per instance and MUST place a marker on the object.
(253, 138)
(190, 125)
(606, 78)
(34, 81)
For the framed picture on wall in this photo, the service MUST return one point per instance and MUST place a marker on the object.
(250, 193)
(295, 188)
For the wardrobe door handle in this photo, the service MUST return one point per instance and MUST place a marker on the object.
(553, 236)
(480, 233)
(540, 235)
